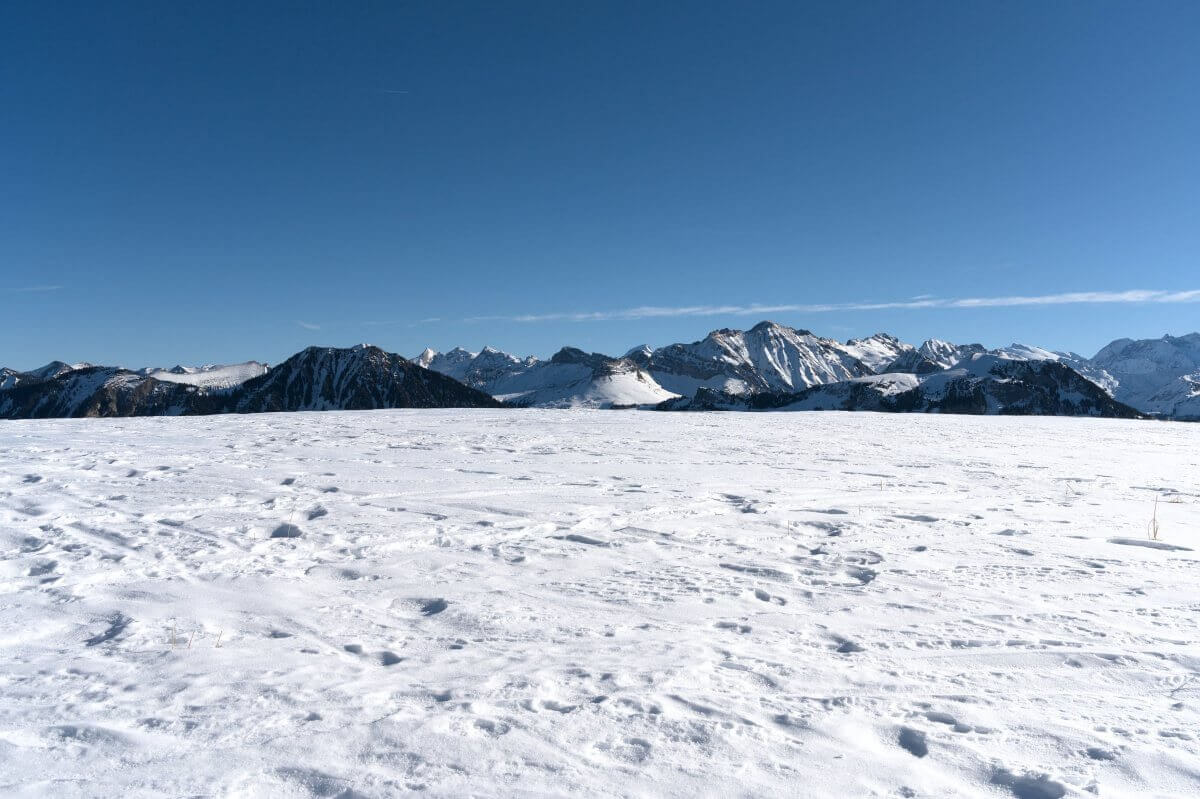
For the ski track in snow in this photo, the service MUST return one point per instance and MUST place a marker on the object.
(605, 603)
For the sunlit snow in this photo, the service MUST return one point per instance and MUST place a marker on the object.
(605, 603)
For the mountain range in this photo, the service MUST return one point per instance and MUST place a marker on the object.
(315, 379)
(768, 367)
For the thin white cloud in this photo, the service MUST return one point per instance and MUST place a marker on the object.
(308, 325)
(663, 312)
(31, 289)
(404, 322)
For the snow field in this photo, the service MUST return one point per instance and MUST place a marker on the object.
(604, 603)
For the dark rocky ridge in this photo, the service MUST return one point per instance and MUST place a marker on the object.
(359, 378)
(996, 387)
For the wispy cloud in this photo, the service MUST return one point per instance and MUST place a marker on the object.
(661, 312)
(308, 325)
(32, 289)
(404, 322)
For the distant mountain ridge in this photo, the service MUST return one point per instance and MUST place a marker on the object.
(984, 383)
(358, 378)
(571, 378)
(769, 366)
(730, 367)
(1159, 376)
(318, 378)
(767, 357)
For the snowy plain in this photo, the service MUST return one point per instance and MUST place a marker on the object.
(603, 603)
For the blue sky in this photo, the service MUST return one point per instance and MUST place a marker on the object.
(211, 182)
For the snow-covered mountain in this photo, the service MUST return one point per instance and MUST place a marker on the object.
(877, 351)
(934, 355)
(1156, 376)
(767, 366)
(983, 383)
(572, 378)
(1079, 363)
(481, 370)
(357, 378)
(1159, 376)
(96, 391)
(10, 378)
(210, 376)
(767, 357)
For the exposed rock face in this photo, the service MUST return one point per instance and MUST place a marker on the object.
(358, 378)
(98, 391)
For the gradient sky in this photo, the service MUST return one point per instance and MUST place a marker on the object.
(211, 182)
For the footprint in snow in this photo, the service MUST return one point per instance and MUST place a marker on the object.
(432, 607)
(847, 647)
(729, 625)
(913, 741)
(1029, 786)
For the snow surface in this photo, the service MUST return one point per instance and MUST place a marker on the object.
(601, 603)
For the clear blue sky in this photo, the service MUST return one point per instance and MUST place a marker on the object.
(207, 182)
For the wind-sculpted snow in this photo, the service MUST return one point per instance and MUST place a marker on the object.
(540, 603)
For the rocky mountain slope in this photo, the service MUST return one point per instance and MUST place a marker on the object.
(981, 384)
(934, 355)
(767, 357)
(97, 391)
(1160, 376)
(358, 378)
